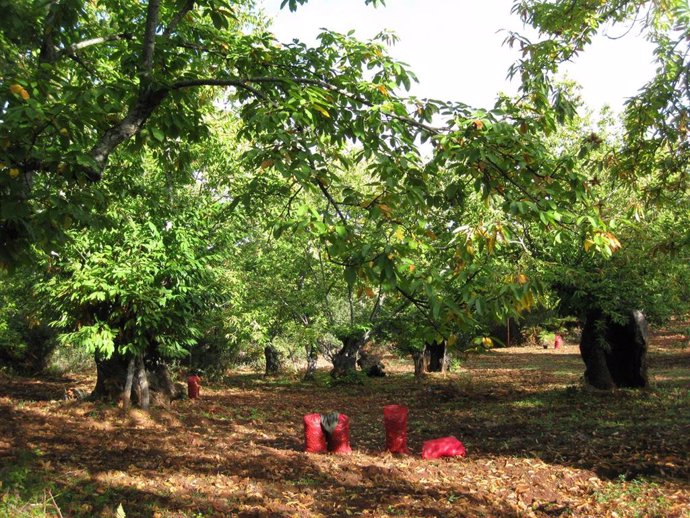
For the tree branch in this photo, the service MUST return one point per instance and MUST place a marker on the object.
(125, 129)
(328, 196)
(188, 6)
(146, 71)
(72, 49)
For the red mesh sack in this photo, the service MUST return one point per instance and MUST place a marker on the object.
(193, 386)
(395, 422)
(314, 439)
(443, 447)
(340, 438)
(558, 342)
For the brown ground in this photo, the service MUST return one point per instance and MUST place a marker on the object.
(538, 445)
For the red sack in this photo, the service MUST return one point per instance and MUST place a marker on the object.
(314, 439)
(443, 447)
(340, 438)
(558, 342)
(395, 422)
(193, 386)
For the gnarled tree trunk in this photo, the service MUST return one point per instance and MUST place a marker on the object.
(615, 355)
(345, 360)
(435, 357)
(419, 365)
(312, 359)
(371, 364)
(142, 381)
(273, 361)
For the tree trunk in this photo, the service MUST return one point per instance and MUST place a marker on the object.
(273, 363)
(371, 364)
(312, 359)
(509, 333)
(141, 386)
(345, 360)
(419, 364)
(615, 355)
(127, 392)
(436, 359)
(148, 384)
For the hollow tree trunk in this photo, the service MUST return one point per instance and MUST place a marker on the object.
(273, 363)
(141, 381)
(345, 360)
(436, 359)
(615, 354)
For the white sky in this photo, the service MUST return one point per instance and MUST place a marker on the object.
(455, 46)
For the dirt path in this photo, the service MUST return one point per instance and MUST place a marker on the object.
(538, 445)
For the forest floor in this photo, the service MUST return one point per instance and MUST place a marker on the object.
(538, 444)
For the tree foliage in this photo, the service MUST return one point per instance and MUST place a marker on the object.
(116, 154)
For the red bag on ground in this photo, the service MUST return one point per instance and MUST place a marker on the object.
(443, 447)
(340, 437)
(558, 342)
(395, 422)
(314, 438)
(193, 386)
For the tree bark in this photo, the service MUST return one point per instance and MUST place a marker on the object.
(419, 365)
(345, 360)
(615, 354)
(273, 363)
(150, 383)
(371, 364)
(436, 359)
(127, 392)
(312, 359)
(142, 384)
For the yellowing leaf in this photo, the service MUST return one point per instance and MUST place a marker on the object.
(382, 89)
(588, 244)
(614, 244)
(452, 339)
(369, 292)
(322, 111)
(20, 91)
(14, 172)
(267, 163)
(487, 342)
(412, 268)
(521, 279)
(399, 234)
(385, 209)
(64, 132)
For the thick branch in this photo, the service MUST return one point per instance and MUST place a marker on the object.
(149, 43)
(188, 6)
(127, 128)
(72, 49)
(47, 54)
